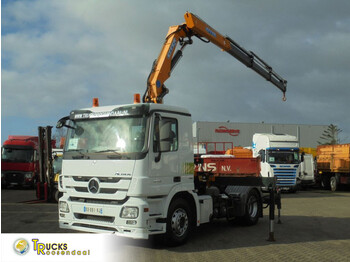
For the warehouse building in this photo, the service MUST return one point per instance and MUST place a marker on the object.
(241, 134)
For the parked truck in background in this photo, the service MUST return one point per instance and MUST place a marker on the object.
(307, 170)
(129, 169)
(19, 161)
(333, 165)
(307, 173)
(279, 155)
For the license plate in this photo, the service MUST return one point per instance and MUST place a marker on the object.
(93, 210)
(285, 188)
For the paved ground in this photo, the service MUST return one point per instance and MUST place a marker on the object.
(315, 227)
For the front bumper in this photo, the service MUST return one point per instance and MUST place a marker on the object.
(105, 218)
(17, 178)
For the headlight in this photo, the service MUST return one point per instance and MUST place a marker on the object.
(28, 175)
(129, 212)
(64, 207)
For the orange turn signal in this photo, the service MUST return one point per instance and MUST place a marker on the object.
(137, 99)
(95, 102)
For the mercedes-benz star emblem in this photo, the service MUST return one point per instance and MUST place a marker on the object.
(94, 185)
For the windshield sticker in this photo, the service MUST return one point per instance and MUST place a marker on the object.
(73, 143)
(271, 159)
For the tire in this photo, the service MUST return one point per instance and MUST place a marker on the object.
(252, 209)
(179, 223)
(325, 182)
(333, 183)
(56, 195)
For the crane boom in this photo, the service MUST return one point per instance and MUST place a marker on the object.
(182, 34)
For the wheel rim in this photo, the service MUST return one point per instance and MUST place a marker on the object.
(252, 206)
(179, 222)
(333, 183)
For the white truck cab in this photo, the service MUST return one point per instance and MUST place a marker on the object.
(307, 170)
(279, 155)
(121, 165)
(130, 170)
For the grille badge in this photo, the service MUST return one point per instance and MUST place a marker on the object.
(94, 185)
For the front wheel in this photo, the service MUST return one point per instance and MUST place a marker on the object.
(56, 194)
(325, 182)
(178, 223)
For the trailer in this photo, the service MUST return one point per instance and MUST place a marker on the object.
(333, 165)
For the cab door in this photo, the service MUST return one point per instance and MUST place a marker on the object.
(164, 153)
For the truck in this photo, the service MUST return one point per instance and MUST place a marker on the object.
(307, 172)
(129, 169)
(279, 154)
(333, 165)
(19, 161)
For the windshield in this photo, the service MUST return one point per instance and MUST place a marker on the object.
(112, 137)
(283, 157)
(18, 155)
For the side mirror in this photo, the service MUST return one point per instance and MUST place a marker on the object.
(262, 155)
(62, 122)
(302, 157)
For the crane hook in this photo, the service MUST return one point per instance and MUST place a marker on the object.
(284, 97)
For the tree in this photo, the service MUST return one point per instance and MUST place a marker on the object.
(330, 135)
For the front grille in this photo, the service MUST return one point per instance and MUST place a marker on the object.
(81, 189)
(108, 187)
(102, 179)
(285, 176)
(108, 190)
(14, 177)
(97, 201)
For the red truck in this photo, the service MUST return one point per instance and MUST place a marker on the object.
(19, 162)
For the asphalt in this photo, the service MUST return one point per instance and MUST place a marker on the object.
(315, 227)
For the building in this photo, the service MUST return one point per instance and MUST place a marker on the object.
(241, 134)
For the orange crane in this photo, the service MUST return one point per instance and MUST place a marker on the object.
(182, 34)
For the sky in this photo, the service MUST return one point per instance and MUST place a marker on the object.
(57, 55)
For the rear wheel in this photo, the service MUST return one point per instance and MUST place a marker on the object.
(252, 209)
(178, 223)
(333, 183)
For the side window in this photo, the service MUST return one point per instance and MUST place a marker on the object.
(262, 155)
(165, 137)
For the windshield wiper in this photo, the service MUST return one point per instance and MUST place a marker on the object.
(82, 155)
(117, 154)
(108, 150)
